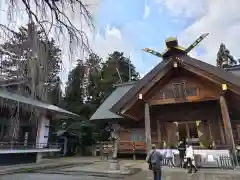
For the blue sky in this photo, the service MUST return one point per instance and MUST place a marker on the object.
(143, 23)
(130, 25)
(135, 24)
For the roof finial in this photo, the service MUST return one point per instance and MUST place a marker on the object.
(172, 44)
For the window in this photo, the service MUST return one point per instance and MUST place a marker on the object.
(169, 94)
(179, 90)
(192, 91)
(162, 95)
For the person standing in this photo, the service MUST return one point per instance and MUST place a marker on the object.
(182, 151)
(154, 159)
(190, 158)
(169, 157)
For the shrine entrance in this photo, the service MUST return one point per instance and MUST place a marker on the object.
(187, 130)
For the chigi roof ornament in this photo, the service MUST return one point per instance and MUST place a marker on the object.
(172, 46)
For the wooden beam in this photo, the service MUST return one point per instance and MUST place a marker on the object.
(227, 126)
(149, 86)
(148, 138)
(210, 77)
(175, 101)
(130, 117)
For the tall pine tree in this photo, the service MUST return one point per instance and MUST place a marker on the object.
(224, 58)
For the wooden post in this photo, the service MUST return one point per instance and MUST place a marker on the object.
(210, 131)
(159, 133)
(227, 126)
(221, 130)
(187, 128)
(148, 139)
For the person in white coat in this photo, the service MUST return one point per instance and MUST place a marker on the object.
(190, 158)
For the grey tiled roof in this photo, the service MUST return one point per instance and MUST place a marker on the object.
(103, 111)
(235, 70)
(22, 99)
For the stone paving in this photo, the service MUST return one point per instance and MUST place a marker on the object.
(171, 175)
(37, 176)
(48, 163)
(143, 175)
(97, 166)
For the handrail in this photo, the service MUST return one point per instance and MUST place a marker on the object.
(22, 145)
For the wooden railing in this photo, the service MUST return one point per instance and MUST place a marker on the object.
(21, 145)
(123, 146)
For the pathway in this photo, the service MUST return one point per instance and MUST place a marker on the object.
(176, 175)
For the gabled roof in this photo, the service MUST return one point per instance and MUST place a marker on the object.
(22, 99)
(220, 73)
(103, 111)
(234, 69)
(138, 86)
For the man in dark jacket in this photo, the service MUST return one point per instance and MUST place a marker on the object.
(182, 151)
(154, 159)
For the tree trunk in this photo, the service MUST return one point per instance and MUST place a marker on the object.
(12, 134)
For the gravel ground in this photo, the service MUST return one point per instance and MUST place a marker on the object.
(36, 176)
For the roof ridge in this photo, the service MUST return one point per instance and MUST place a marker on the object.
(219, 72)
(125, 83)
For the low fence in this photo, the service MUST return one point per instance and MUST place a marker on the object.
(22, 145)
(225, 162)
(209, 158)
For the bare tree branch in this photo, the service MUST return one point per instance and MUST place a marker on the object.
(53, 16)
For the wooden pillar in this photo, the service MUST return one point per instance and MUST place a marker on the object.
(148, 139)
(227, 125)
(210, 130)
(221, 131)
(159, 134)
(188, 133)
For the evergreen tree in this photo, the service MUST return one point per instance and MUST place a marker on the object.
(116, 62)
(73, 99)
(224, 58)
(89, 83)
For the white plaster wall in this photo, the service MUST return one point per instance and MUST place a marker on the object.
(43, 132)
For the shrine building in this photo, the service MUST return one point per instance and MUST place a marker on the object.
(181, 98)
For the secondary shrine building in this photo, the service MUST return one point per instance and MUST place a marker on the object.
(181, 98)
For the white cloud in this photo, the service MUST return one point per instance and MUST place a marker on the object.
(221, 19)
(111, 41)
(146, 12)
(184, 8)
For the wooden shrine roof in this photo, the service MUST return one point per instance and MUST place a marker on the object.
(234, 69)
(185, 61)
